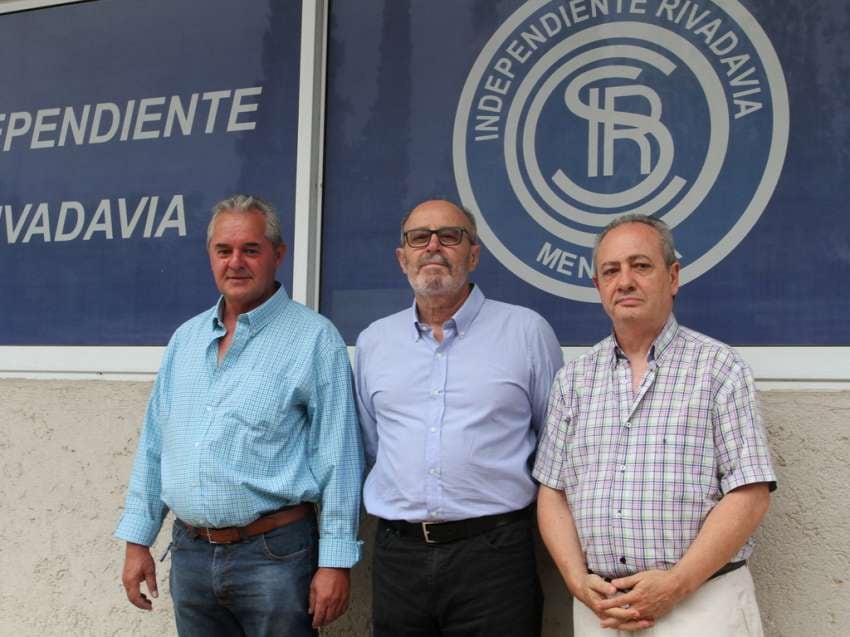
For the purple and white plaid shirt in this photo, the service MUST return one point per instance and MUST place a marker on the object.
(642, 472)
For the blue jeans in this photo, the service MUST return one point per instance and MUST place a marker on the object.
(255, 588)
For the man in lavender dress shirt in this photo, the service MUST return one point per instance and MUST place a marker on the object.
(654, 466)
(451, 393)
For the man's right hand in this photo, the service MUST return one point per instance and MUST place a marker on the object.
(592, 590)
(139, 567)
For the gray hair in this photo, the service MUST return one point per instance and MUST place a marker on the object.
(245, 204)
(473, 226)
(668, 249)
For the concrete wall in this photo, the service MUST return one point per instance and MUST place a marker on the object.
(65, 453)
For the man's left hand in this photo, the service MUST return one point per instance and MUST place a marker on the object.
(329, 593)
(653, 594)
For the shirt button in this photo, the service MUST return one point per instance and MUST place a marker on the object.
(622, 560)
(618, 514)
(433, 514)
(622, 467)
(433, 430)
(439, 354)
(627, 424)
(197, 444)
(434, 472)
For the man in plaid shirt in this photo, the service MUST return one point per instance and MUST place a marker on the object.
(654, 465)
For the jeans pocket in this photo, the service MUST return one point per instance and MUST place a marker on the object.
(290, 542)
(384, 537)
(515, 537)
(179, 536)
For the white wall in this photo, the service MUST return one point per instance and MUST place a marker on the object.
(65, 453)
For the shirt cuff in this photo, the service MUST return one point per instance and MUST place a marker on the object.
(138, 529)
(742, 477)
(335, 553)
(547, 479)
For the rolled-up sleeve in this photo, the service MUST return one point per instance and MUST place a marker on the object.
(740, 439)
(336, 458)
(144, 509)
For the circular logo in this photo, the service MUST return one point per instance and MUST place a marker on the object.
(578, 112)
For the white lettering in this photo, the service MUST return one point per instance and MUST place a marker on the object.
(578, 9)
(214, 98)
(716, 47)
(13, 229)
(127, 227)
(174, 217)
(40, 224)
(43, 127)
(77, 126)
(517, 52)
(98, 137)
(151, 214)
(547, 256)
(185, 117)
(237, 108)
(144, 117)
(101, 222)
(19, 124)
(128, 120)
(69, 206)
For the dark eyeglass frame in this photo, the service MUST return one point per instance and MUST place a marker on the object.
(442, 238)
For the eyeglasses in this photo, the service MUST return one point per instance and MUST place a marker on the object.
(447, 236)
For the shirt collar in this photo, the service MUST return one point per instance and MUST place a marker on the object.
(463, 318)
(260, 315)
(658, 347)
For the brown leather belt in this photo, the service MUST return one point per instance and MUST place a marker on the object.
(231, 534)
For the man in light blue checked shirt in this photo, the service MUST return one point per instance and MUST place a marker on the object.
(251, 427)
(654, 466)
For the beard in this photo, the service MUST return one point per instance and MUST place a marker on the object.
(436, 283)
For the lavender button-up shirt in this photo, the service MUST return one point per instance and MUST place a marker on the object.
(449, 427)
(641, 471)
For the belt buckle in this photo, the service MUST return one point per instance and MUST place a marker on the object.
(427, 533)
(212, 541)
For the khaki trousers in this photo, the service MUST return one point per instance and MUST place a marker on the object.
(722, 607)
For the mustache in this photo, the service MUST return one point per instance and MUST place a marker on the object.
(427, 259)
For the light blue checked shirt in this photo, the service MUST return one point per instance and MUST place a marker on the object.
(451, 426)
(273, 424)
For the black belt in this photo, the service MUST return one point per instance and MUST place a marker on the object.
(726, 568)
(442, 532)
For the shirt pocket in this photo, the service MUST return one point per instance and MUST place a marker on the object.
(259, 401)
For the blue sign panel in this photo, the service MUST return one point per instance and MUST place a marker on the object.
(549, 118)
(121, 124)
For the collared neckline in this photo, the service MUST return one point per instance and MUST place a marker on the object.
(462, 319)
(259, 317)
(656, 350)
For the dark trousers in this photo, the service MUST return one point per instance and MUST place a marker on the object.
(484, 585)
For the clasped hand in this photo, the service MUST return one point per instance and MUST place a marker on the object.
(634, 602)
